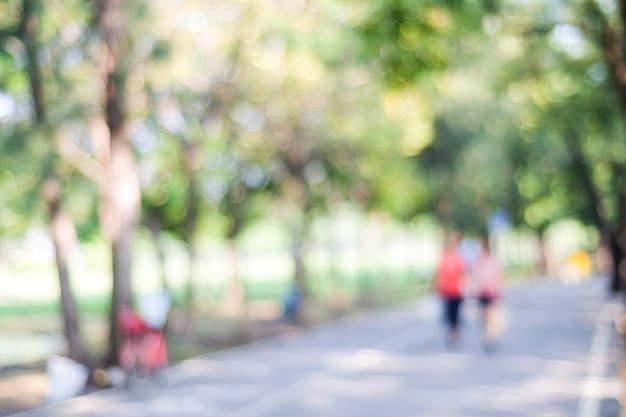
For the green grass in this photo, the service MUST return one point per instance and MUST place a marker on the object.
(321, 286)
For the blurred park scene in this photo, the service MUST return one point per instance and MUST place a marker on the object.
(275, 164)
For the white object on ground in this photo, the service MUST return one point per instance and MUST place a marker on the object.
(68, 378)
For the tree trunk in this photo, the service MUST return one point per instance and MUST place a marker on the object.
(236, 291)
(62, 229)
(617, 242)
(121, 208)
(121, 195)
(122, 291)
(64, 240)
(155, 230)
(300, 290)
(191, 281)
(617, 254)
(193, 163)
(236, 296)
(297, 250)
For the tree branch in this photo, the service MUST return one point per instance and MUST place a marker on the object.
(80, 161)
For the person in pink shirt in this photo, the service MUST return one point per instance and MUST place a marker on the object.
(449, 284)
(488, 275)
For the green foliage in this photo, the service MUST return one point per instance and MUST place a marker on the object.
(409, 38)
(447, 107)
(568, 113)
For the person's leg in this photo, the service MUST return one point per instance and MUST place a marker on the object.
(483, 302)
(447, 318)
(454, 336)
(489, 322)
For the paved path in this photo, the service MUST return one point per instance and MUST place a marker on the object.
(557, 357)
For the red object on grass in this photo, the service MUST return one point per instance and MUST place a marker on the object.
(131, 323)
(154, 350)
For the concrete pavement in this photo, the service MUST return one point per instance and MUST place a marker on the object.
(558, 356)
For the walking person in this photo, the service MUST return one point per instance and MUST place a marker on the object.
(488, 275)
(449, 283)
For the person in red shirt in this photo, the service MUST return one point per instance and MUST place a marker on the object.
(450, 286)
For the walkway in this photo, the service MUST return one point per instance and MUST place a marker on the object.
(558, 357)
